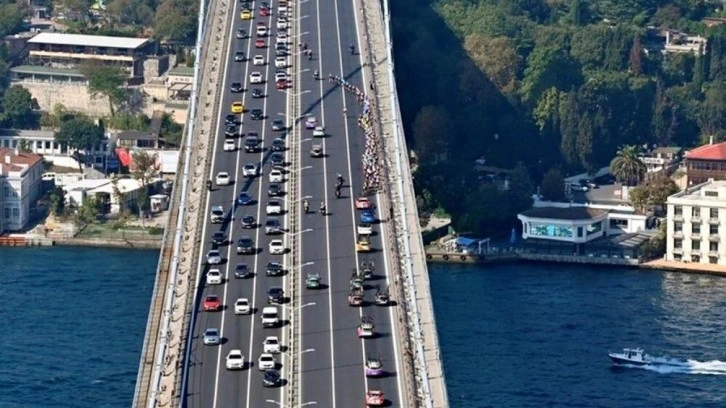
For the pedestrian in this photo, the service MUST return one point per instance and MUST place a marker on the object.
(372, 86)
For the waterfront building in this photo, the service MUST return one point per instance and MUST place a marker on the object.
(696, 229)
(705, 163)
(20, 182)
(114, 195)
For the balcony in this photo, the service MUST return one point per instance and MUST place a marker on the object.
(678, 234)
(677, 217)
(678, 250)
(713, 221)
(695, 236)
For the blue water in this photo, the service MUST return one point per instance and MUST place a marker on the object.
(537, 336)
(74, 321)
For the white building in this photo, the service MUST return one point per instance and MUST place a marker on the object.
(20, 182)
(104, 190)
(697, 224)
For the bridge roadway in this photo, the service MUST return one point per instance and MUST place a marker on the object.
(332, 375)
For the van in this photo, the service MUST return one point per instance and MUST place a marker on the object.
(270, 317)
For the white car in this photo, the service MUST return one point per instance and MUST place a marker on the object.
(365, 229)
(249, 170)
(230, 145)
(214, 277)
(319, 131)
(276, 176)
(235, 360)
(258, 60)
(271, 344)
(282, 24)
(223, 179)
(281, 62)
(255, 78)
(280, 76)
(277, 247)
(273, 208)
(214, 257)
(311, 122)
(282, 10)
(281, 39)
(266, 362)
(242, 306)
(211, 337)
(261, 31)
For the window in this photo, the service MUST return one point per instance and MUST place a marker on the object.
(713, 246)
(695, 245)
(696, 212)
(7, 213)
(695, 228)
(710, 193)
(713, 229)
(713, 212)
(677, 210)
(47, 144)
(713, 259)
(677, 244)
(678, 226)
(16, 212)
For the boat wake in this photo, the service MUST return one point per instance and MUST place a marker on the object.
(667, 365)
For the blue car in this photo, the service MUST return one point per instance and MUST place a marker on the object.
(244, 198)
(368, 216)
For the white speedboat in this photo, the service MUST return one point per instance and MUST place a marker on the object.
(633, 356)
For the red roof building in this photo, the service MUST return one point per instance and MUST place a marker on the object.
(706, 162)
(20, 182)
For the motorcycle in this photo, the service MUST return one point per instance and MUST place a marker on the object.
(209, 185)
(316, 75)
(337, 193)
(352, 50)
(322, 210)
(306, 206)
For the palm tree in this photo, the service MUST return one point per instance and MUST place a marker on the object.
(627, 167)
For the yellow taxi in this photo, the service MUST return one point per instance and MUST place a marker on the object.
(237, 107)
(246, 15)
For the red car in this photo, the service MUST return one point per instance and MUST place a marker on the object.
(212, 303)
(281, 84)
(363, 203)
(264, 11)
(375, 398)
(260, 43)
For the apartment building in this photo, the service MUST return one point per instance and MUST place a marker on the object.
(696, 229)
(20, 182)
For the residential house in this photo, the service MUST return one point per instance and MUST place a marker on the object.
(20, 182)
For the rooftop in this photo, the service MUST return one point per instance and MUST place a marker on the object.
(38, 70)
(182, 71)
(28, 134)
(13, 161)
(708, 152)
(708, 191)
(82, 40)
(566, 213)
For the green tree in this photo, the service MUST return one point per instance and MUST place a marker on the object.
(24, 146)
(585, 143)
(712, 116)
(639, 198)
(576, 12)
(144, 167)
(90, 210)
(520, 189)
(80, 134)
(636, 56)
(660, 187)
(175, 20)
(131, 12)
(497, 57)
(431, 129)
(569, 122)
(18, 110)
(627, 167)
(58, 201)
(11, 19)
(547, 68)
(553, 185)
(107, 81)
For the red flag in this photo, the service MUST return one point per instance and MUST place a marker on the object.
(123, 156)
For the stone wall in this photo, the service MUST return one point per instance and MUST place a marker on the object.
(154, 67)
(73, 96)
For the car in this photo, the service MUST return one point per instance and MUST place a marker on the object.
(214, 257)
(245, 15)
(236, 87)
(368, 216)
(280, 76)
(252, 143)
(317, 151)
(365, 229)
(277, 125)
(246, 246)
(277, 159)
(319, 131)
(275, 295)
(578, 187)
(278, 145)
(273, 207)
(266, 362)
(212, 303)
(217, 215)
(375, 398)
(274, 269)
(271, 344)
(264, 11)
(311, 122)
(230, 119)
(244, 198)
(222, 179)
(281, 53)
(362, 203)
(312, 281)
(242, 271)
(273, 226)
(237, 107)
(214, 277)
(280, 62)
(235, 360)
(258, 60)
(241, 34)
(259, 43)
(282, 9)
(276, 176)
(242, 306)
(281, 24)
(249, 170)
(282, 84)
(257, 93)
(230, 130)
(255, 78)
(282, 38)
(270, 316)
(261, 31)
(230, 145)
(219, 238)
(274, 190)
(257, 114)
(211, 337)
(271, 378)
(588, 183)
(276, 247)
(374, 368)
(239, 56)
(248, 222)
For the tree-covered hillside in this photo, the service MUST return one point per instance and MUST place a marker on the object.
(551, 83)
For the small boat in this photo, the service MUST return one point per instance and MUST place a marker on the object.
(633, 356)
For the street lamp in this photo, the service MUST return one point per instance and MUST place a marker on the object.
(298, 233)
(294, 308)
(310, 350)
(299, 266)
(285, 406)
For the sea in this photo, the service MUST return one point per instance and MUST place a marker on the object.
(515, 335)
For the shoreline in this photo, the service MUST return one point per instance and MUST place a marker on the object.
(110, 243)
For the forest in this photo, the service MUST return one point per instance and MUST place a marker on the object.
(549, 84)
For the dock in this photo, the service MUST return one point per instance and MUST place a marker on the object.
(24, 241)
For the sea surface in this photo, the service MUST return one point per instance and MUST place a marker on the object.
(533, 335)
(74, 322)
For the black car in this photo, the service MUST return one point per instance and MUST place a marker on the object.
(278, 145)
(274, 269)
(277, 159)
(273, 226)
(230, 119)
(219, 238)
(256, 114)
(281, 53)
(246, 246)
(252, 143)
(280, 47)
(248, 222)
(278, 125)
(236, 87)
(275, 295)
(239, 56)
(242, 270)
(241, 33)
(271, 378)
(274, 190)
(257, 93)
(230, 130)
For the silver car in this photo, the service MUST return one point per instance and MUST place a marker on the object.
(211, 337)
(214, 257)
